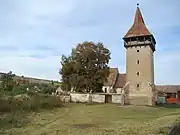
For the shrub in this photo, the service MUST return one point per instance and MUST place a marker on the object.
(35, 102)
(12, 120)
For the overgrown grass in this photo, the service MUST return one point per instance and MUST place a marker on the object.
(14, 110)
(33, 102)
(13, 120)
(100, 119)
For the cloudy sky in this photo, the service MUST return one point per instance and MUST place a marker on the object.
(35, 33)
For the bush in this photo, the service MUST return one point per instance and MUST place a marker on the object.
(35, 102)
(12, 120)
(47, 88)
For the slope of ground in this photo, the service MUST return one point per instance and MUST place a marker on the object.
(100, 119)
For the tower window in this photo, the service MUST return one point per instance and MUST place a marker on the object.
(137, 85)
(137, 61)
(137, 50)
(137, 73)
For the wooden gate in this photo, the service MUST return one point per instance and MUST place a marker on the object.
(108, 98)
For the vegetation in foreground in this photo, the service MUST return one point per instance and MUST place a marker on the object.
(100, 119)
(14, 110)
(16, 103)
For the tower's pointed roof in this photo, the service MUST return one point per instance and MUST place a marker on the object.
(138, 28)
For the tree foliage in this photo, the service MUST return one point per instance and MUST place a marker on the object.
(86, 68)
(7, 82)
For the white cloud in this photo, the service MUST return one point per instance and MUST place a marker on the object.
(35, 33)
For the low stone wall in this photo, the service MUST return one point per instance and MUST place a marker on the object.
(97, 98)
(79, 97)
(83, 98)
(116, 98)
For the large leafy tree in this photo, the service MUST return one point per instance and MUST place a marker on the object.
(86, 68)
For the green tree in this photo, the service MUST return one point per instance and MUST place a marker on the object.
(86, 68)
(7, 83)
(66, 72)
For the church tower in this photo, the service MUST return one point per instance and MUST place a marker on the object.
(140, 47)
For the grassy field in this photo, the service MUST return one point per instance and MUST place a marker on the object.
(100, 119)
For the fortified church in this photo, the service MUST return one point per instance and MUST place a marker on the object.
(138, 82)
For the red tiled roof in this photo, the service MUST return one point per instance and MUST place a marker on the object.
(138, 28)
(168, 88)
(121, 81)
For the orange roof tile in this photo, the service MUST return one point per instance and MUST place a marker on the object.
(138, 28)
(121, 81)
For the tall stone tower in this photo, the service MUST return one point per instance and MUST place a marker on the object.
(140, 46)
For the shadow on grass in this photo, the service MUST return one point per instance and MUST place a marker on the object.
(175, 130)
(168, 105)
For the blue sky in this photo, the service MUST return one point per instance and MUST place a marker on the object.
(35, 33)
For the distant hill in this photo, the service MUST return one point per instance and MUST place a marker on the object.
(33, 80)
